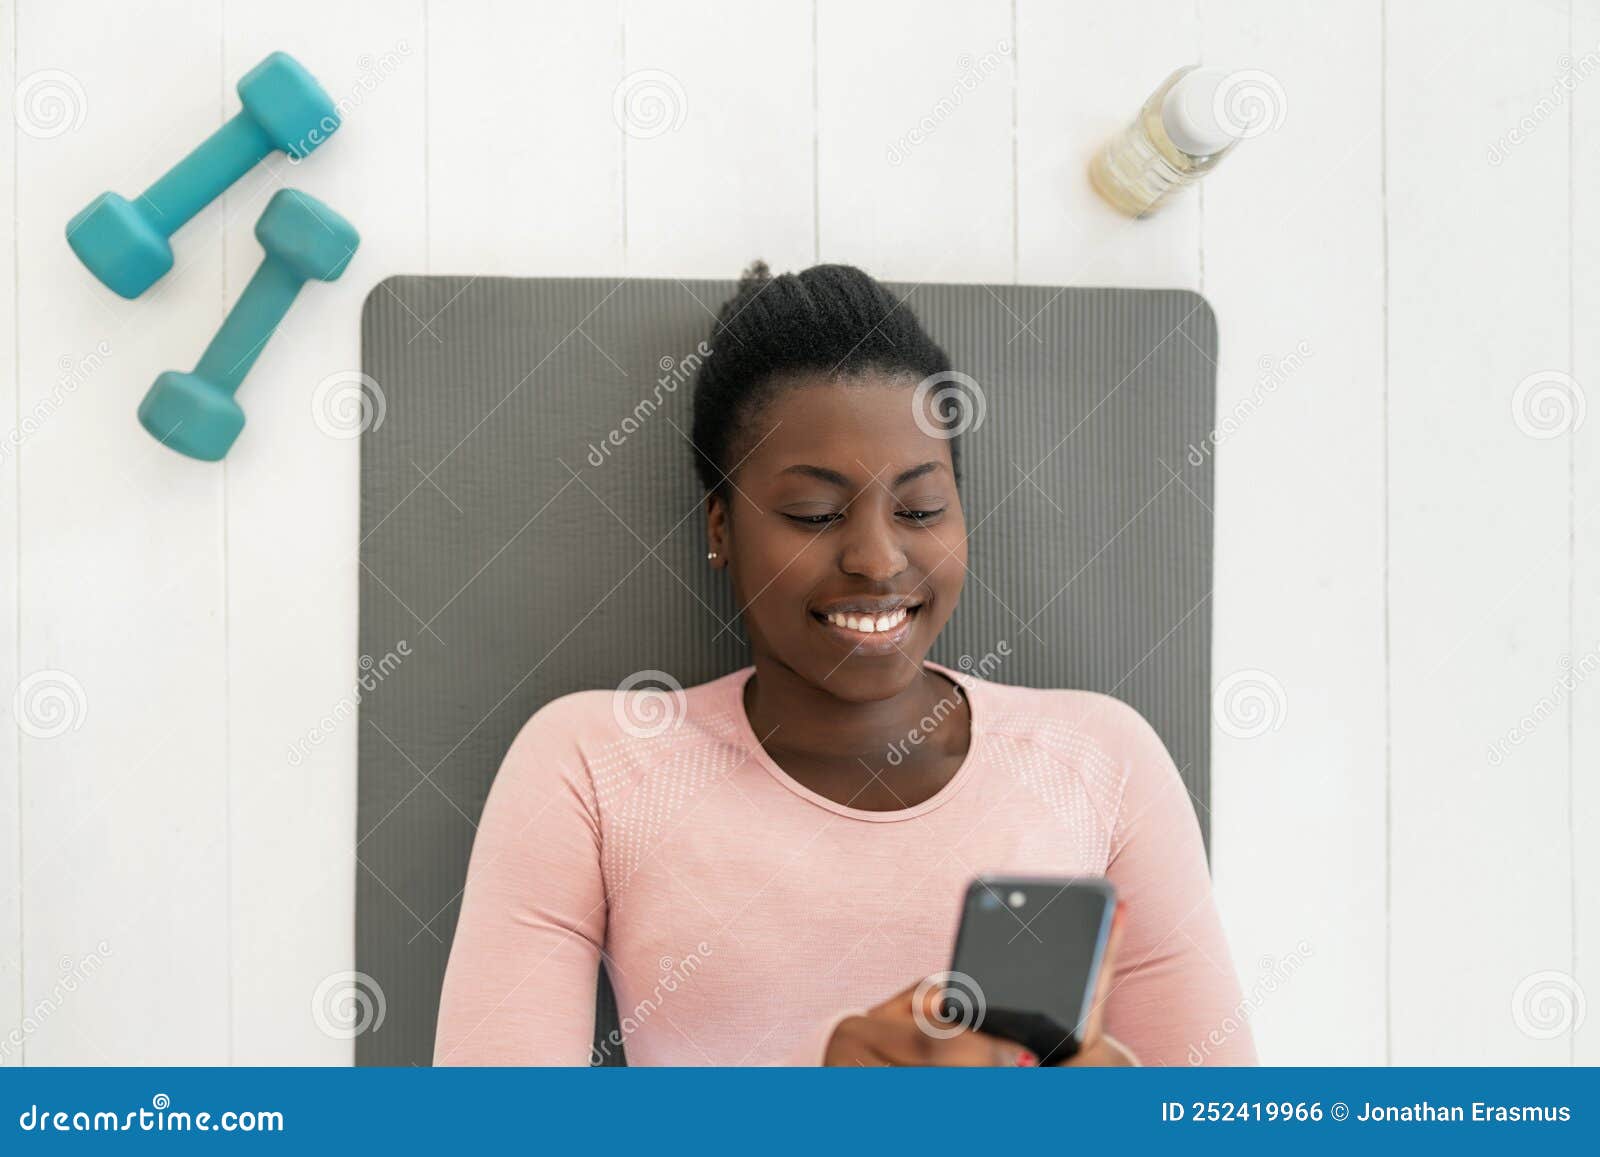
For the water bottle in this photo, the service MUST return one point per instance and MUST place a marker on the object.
(1179, 136)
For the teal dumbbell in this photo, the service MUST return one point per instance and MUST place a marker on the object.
(124, 243)
(195, 413)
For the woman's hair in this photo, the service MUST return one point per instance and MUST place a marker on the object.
(829, 319)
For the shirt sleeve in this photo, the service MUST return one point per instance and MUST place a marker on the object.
(1175, 996)
(519, 988)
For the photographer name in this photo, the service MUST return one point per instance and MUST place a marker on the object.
(1477, 1111)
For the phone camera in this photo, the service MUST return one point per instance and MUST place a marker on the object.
(988, 901)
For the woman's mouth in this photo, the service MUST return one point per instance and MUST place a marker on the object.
(867, 632)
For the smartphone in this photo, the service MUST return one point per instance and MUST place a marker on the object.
(1027, 957)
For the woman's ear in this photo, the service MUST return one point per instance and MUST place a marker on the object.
(717, 529)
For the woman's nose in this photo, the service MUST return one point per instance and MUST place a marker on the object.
(872, 550)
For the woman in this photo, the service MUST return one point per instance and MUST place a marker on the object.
(770, 867)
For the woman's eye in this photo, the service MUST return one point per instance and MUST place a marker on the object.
(812, 519)
(916, 516)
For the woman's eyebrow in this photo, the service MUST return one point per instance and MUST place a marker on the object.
(837, 479)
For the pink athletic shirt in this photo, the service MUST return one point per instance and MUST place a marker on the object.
(741, 916)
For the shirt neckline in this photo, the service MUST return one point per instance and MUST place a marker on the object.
(979, 715)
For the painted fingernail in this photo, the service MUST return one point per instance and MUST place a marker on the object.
(1026, 1059)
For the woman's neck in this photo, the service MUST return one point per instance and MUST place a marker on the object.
(850, 750)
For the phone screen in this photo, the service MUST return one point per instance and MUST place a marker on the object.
(1027, 957)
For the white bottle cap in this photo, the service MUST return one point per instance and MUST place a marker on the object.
(1189, 113)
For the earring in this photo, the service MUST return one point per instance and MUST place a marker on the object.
(711, 555)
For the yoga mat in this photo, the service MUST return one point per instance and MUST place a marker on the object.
(530, 527)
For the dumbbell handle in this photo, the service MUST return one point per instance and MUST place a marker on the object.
(203, 175)
(249, 324)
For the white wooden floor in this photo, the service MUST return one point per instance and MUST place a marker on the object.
(1408, 543)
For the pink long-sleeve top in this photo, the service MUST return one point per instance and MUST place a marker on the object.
(741, 916)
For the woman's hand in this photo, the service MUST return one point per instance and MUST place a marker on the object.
(908, 1029)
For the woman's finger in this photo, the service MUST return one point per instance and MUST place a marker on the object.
(923, 1003)
(927, 1005)
(911, 1044)
(899, 1005)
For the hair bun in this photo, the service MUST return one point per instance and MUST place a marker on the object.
(831, 323)
(755, 273)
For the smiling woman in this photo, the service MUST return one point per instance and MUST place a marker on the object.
(833, 505)
(784, 828)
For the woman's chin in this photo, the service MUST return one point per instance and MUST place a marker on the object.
(868, 677)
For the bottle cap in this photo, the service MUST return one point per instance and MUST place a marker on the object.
(1189, 113)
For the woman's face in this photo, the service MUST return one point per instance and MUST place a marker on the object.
(845, 506)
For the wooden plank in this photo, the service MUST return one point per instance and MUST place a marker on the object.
(914, 118)
(524, 155)
(1082, 75)
(121, 564)
(293, 520)
(1479, 523)
(12, 1040)
(1584, 449)
(1300, 549)
(718, 125)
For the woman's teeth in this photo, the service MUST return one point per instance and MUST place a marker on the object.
(870, 624)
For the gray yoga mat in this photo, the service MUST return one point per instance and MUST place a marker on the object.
(498, 510)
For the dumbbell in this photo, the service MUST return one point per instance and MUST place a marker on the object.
(124, 243)
(195, 413)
